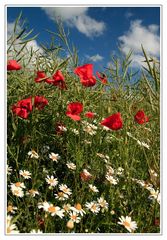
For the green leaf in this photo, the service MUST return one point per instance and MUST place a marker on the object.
(64, 63)
(17, 21)
(27, 34)
(30, 39)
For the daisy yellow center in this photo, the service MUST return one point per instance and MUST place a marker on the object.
(126, 224)
(10, 208)
(51, 180)
(16, 192)
(65, 190)
(94, 207)
(31, 191)
(73, 217)
(78, 206)
(102, 204)
(60, 194)
(18, 184)
(52, 209)
(25, 174)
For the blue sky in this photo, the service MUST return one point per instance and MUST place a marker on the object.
(97, 31)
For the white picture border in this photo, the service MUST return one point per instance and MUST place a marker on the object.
(120, 3)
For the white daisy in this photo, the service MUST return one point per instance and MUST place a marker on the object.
(19, 184)
(110, 171)
(74, 217)
(93, 188)
(8, 169)
(11, 209)
(111, 180)
(155, 195)
(65, 189)
(61, 196)
(89, 128)
(102, 202)
(78, 209)
(51, 181)
(10, 227)
(128, 223)
(93, 207)
(71, 165)
(54, 210)
(62, 128)
(43, 205)
(33, 154)
(75, 131)
(32, 192)
(67, 207)
(17, 191)
(144, 184)
(55, 157)
(25, 174)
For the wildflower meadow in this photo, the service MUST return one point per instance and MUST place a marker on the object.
(83, 146)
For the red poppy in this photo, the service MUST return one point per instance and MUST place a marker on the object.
(40, 102)
(74, 109)
(113, 122)
(59, 80)
(25, 103)
(21, 112)
(140, 117)
(102, 77)
(85, 73)
(89, 114)
(23, 108)
(13, 65)
(41, 76)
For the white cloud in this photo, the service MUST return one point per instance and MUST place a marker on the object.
(77, 17)
(65, 13)
(95, 58)
(89, 26)
(138, 35)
